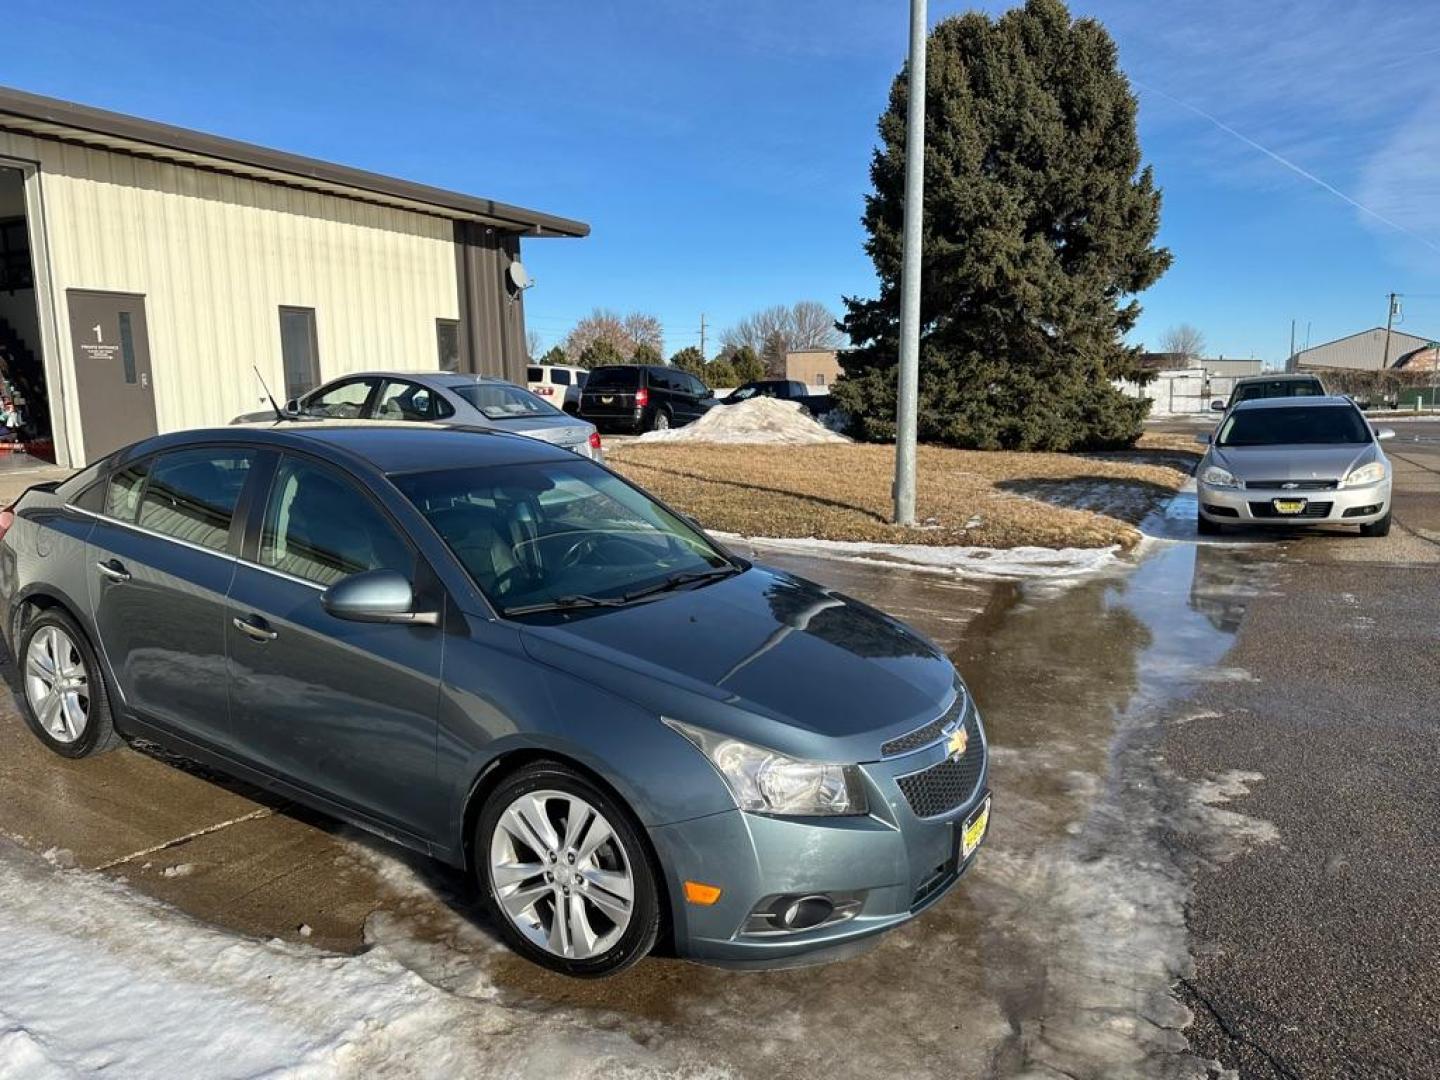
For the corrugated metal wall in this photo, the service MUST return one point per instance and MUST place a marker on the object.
(215, 256)
(1362, 352)
(493, 333)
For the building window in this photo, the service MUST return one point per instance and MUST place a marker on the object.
(447, 338)
(300, 349)
(819, 378)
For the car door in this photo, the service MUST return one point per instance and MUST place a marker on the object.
(160, 559)
(401, 399)
(346, 710)
(344, 399)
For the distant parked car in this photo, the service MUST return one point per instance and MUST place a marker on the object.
(478, 401)
(1295, 461)
(643, 397)
(559, 384)
(1253, 387)
(783, 390)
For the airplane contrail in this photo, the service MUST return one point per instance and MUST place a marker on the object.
(1331, 188)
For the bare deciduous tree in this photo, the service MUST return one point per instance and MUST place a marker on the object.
(773, 332)
(533, 344)
(626, 333)
(1183, 340)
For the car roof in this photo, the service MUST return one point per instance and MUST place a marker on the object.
(1293, 402)
(448, 378)
(391, 446)
(1279, 376)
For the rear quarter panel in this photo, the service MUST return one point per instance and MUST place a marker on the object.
(43, 555)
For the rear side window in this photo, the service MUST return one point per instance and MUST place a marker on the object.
(534, 374)
(614, 378)
(560, 377)
(123, 496)
(191, 494)
(320, 527)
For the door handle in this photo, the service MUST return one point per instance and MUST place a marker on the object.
(255, 628)
(113, 570)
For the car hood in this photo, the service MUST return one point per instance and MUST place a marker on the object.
(1324, 462)
(764, 656)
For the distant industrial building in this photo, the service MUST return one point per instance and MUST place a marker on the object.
(1219, 367)
(147, 271)
(813, 367)
(1365, 351)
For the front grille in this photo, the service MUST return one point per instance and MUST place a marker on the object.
(1291, 485)
(931, 732)
(1312, 510)
(950, 784)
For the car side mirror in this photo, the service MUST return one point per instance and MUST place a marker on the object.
(1203, 437)
(378, 596)
(293, 405)
(1217, 405)
(1384, 433)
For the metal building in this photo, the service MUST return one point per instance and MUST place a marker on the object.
(145, 268)
(1365, 351)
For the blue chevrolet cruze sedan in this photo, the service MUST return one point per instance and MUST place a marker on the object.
(494, 651)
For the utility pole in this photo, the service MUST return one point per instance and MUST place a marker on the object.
(1394, 299)
(702, 335)
(907, 405)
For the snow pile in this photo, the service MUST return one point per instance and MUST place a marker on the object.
(759, 420)
(1005, 564)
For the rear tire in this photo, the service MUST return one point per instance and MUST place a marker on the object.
(63, 694)
(661, 420)
(1205, 527)
(1377, 528)
(531, 857)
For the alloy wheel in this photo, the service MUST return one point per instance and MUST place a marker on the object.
(57, 684)
(561, 875)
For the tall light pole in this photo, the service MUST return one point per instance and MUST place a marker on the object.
(907, 403)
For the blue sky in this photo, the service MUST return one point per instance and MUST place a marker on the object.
(720, 151)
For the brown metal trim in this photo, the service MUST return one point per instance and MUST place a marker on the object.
(83, 118)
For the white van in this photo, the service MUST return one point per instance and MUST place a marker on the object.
(558, 384)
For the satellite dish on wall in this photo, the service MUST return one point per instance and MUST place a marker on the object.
(520, 277)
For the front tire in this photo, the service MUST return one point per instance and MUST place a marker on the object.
(1205, 527)
(64, 697)
(1377, 528)
(565, 873)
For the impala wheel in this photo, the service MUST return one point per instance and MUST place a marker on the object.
(567, 875)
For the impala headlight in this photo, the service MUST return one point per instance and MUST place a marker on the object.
(1215, 476)
(1365, 474)
(766, 782)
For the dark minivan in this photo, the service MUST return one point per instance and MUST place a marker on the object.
(643, 397)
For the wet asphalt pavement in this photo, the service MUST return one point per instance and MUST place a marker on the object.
(1214, 841)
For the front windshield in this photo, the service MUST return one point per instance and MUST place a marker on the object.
(556, 531)
(1299, 425)
(501, 402)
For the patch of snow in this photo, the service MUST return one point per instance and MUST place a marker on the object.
(759, 420)
(183, 869)
(101, 979)
(997, 563)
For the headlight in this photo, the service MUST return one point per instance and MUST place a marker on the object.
(1365, 474)
(766, 782)
(1218, 477)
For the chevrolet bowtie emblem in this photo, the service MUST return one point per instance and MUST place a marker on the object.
(958, 741)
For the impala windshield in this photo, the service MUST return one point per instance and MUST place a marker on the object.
(1307, 425)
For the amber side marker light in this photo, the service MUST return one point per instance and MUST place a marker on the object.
(698, 893)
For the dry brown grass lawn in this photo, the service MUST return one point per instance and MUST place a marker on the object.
(842, 492)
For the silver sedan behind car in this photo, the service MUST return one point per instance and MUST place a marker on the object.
(443, 397)
(1295, 461)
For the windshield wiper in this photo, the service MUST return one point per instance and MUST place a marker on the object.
(565, 603)
(681, 580)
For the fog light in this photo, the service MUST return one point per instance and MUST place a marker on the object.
(804, 912)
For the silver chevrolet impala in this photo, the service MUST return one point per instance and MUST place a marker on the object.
(1295, 461)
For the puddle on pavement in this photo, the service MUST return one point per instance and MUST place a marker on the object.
(1059, 950)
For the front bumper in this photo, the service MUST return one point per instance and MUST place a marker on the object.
(891, 863)
(1329, 506)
